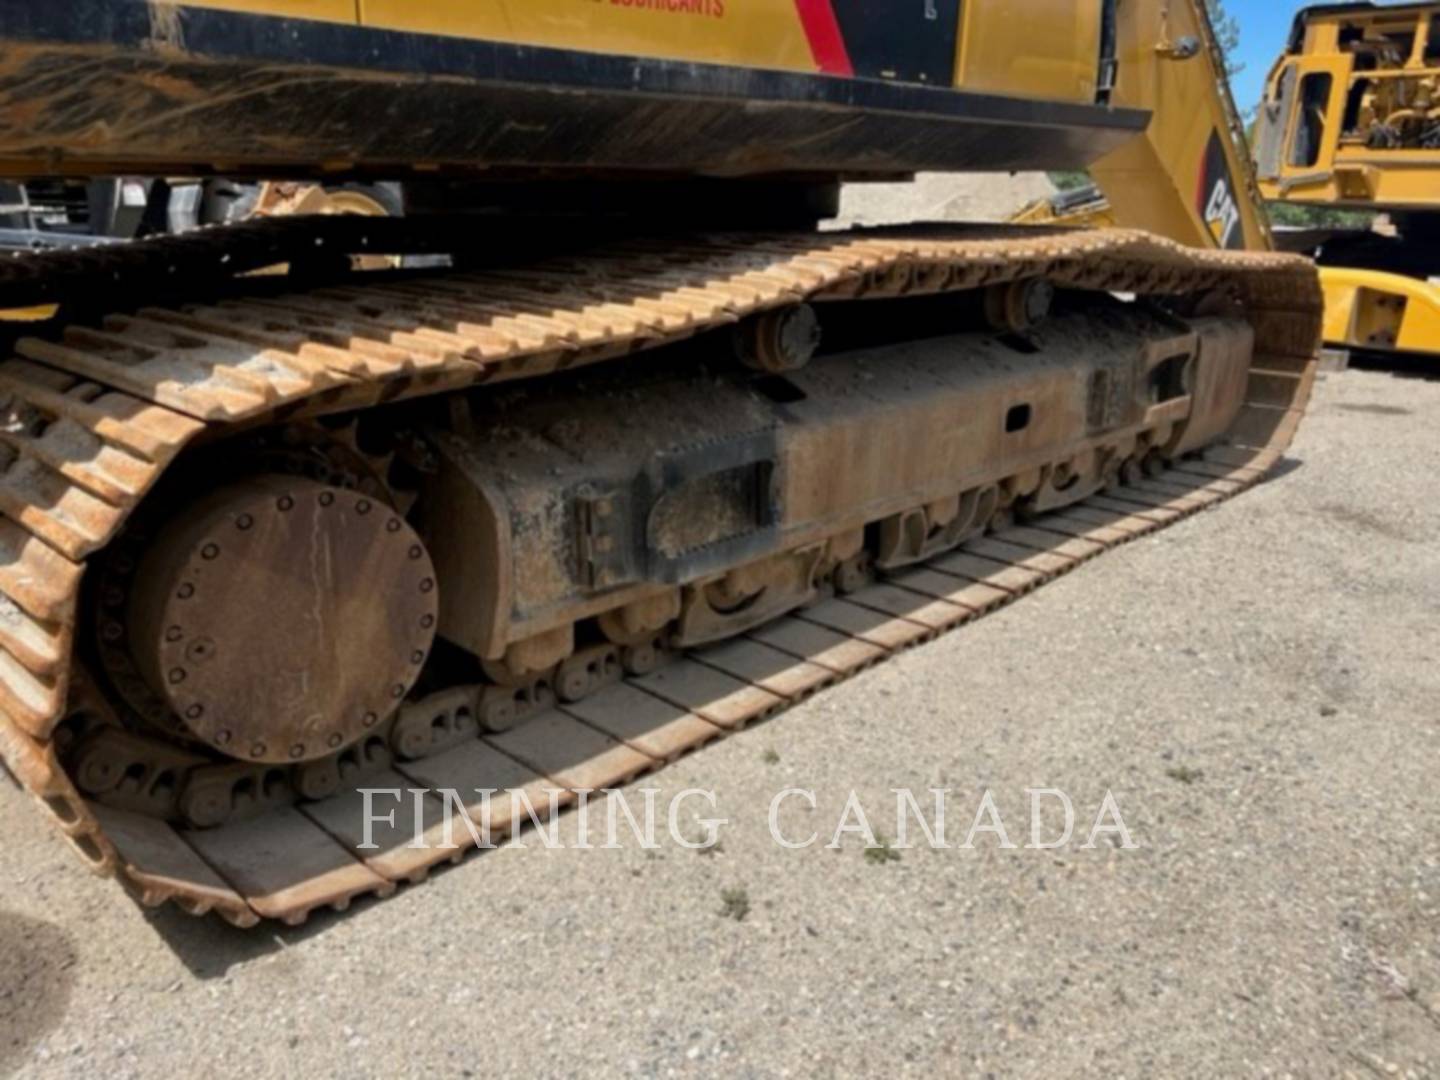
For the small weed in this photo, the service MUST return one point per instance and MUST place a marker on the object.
(881, 853)
(1184, 774)
(734, 904)
(771, 757)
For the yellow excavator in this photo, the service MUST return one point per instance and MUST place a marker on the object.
(1351, 122)
(1350, 125)
(605, 449)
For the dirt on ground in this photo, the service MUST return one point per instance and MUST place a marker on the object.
(942, 197)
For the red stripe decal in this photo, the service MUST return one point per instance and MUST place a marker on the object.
(827, 43)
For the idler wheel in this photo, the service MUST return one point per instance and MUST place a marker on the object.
(282, 619)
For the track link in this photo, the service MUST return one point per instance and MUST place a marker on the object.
(95, 417)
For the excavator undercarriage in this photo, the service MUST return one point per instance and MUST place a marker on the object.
(597, 447)
(619, 502)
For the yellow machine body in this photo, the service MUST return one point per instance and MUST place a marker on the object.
(1373, 310)
(717, 88)
(1188, 178)
(1351, 116)
(1351, 121)
(1040, 49)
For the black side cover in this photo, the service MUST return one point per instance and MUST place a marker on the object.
(908, 40)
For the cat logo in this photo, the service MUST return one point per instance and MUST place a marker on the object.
(1217, 205)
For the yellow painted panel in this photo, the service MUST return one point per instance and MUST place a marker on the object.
(1375, 91)
(747, 33)
(1155, 182)
(325, 10)
(1374, 310)
(1047, 49)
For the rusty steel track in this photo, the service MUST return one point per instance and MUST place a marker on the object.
(97, 414)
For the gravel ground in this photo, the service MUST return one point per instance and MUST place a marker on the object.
(1256, 686)
(942, 197)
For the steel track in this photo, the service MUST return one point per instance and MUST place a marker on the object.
(97, 415)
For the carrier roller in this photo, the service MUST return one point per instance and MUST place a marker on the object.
(553, 526)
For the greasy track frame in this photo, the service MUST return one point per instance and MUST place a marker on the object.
(116, 406)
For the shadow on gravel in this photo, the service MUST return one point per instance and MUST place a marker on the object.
(1366, 521)
(1402, 365)
(1376, 410)
(210, 948)
(1283, 468)
(37, 974)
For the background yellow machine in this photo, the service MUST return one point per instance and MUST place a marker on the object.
(1351, 121)
(602, 449)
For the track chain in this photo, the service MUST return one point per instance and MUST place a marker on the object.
(94, 418)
